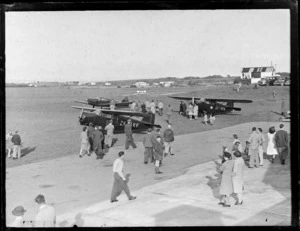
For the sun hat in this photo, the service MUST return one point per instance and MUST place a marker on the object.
(18, 211)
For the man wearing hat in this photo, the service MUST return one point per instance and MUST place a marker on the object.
(97, 142)
(129, 138)
(16, 140)
(46, 216)
(18, 212)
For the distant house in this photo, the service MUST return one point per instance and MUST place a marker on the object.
(169, 83)
(257, 73)
(141, 84)
(93, 84)
(107, 84)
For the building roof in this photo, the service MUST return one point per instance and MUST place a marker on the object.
(258, 69)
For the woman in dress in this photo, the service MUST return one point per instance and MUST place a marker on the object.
(271, 149)
(226, 188)
(237, 176)
(85, 145)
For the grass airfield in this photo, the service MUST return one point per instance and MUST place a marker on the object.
(49, 127)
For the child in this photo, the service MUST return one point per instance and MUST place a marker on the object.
(226, 188)
(212, 119)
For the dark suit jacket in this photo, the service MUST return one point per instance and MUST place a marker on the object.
(281, 138)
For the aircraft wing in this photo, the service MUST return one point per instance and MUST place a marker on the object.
(76, 101)
(212, 99)
(139, 120)
(87, 108)
(122, 112)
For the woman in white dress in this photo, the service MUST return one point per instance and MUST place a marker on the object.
(271, 149)
(195, 111)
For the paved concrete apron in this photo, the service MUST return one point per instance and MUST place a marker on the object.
(79, 188)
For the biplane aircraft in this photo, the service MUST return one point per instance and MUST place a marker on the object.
(105, 102)
(101, 117)
(213, 105)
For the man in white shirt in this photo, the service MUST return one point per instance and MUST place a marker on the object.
(46, 216)
(109, 132)
(120, 181)
(160, 108)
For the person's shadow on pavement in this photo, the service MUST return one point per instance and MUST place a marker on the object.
(215, 182)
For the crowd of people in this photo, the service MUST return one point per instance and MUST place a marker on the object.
(234, 161)
(192, 112)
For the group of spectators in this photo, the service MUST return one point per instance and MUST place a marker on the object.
(193, 113)
(45, 217)
(93, 140)
(148, 106)
(157, 146)
(234, 161)
(13, 145)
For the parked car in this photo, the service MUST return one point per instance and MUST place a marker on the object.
(266, 82)
(279, 82)
(287, 82)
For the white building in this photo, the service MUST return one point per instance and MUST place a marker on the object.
(257, 73)
(107, 84)
(93, 84)
(141, 84)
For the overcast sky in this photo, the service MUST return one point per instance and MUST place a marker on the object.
(115, 45)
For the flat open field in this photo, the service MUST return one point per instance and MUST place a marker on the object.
(49, 127)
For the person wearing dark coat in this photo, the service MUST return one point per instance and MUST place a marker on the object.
(90, 133)
(281, 143)
(16, 140)
(158, 150)
(97, 143)
(129, 138)
(143, 106)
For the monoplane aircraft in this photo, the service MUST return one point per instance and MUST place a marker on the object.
(211, 105)
(101, 117)
(105, 102)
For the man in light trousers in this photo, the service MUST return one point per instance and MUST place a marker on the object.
(255, 141)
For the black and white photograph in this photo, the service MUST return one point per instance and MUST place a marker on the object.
(147, 118)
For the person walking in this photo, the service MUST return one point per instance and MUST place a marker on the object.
(226, 188)
(160, 107)
(212, 118)
(261, 148)
(158, 153)
(196, 111)
(46, 216)
(281, 142)
(16, 140)
(85, 145)
(147, 141)
(169, 114)
(18, 222)
(128, 133)
(120, 181)
(147, 104)
(237, 176)
(109, 133)
(168, 140)
(283, 110)
(97, 142)
(271, 149)
(9, 144)
(255, 141)
(90, 134)
(184, 109)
